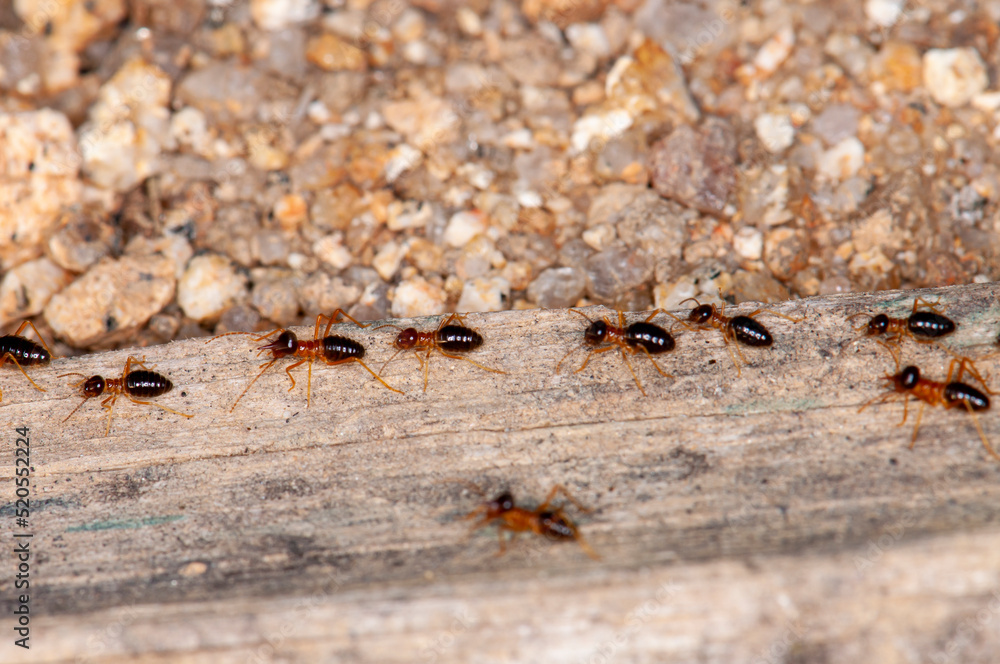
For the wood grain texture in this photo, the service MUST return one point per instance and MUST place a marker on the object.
(769, 489)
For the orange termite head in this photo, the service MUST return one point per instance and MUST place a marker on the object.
(406, 339)
(285, 345)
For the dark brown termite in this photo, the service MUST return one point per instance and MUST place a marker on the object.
(743, 329)
(645, 337)
(923, 326)
(448, 339)
(134, 385)
(22, 352)
(543, 520)
(949, 393)
(329, 349)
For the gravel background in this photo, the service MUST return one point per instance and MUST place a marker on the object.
(177, 168)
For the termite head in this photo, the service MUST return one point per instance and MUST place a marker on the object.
(906, 379)
(406, 339)
(557, 526)
(596, 333)
(93, 387)
(285, 345)
(701, 314)
(89, 387)
(502, 503)
(877, 325)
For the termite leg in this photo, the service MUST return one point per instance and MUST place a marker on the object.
(557, 489)
(333, 317)
(650, 356)
(9, 356)
(632, 371)
(151, 403)
(111, 411)
(368, 369)
(459, 357)
(35, 329)
(916, 427)
(587, 359)
(264, 367)
(979, 427)
(775, 313)
(965, 363)
(932, 306)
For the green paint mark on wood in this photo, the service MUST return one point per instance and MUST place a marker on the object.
(125, 524)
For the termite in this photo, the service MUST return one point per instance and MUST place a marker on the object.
(603, 335)
(923, 326)
(24, 352)
(543, 520)
(743, 329)
(950, 393)
(142, 383)
(448, 339)
(329, 349)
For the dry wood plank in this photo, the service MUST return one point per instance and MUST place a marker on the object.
(230, 514)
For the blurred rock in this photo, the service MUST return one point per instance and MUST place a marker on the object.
(81, 239)
(38, 176)
(322, 292)
(27, 288)
(953, 76)
(756, 287)
(785, 252)
(558, 287)
(116, 297)
(696, 167)
(484, 294)
(275, 296)
(613, 272)
(128, 127)
(417, 297)
(210, 285)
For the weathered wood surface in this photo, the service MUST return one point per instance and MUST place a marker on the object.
(757, 500)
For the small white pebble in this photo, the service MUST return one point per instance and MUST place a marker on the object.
(843, 160)
(405, 157)
(589, 38)
(749, 243)
(529, 199)
(670, 296)
(463, 226)
(884, 13)
(331, 250)
(599, 237)
(954, 76)
(386, 261)
(484, 294)
(775, 131)
(469, 22)
(418, 297)
(521, 139)
(208, 286)
(318, 113)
